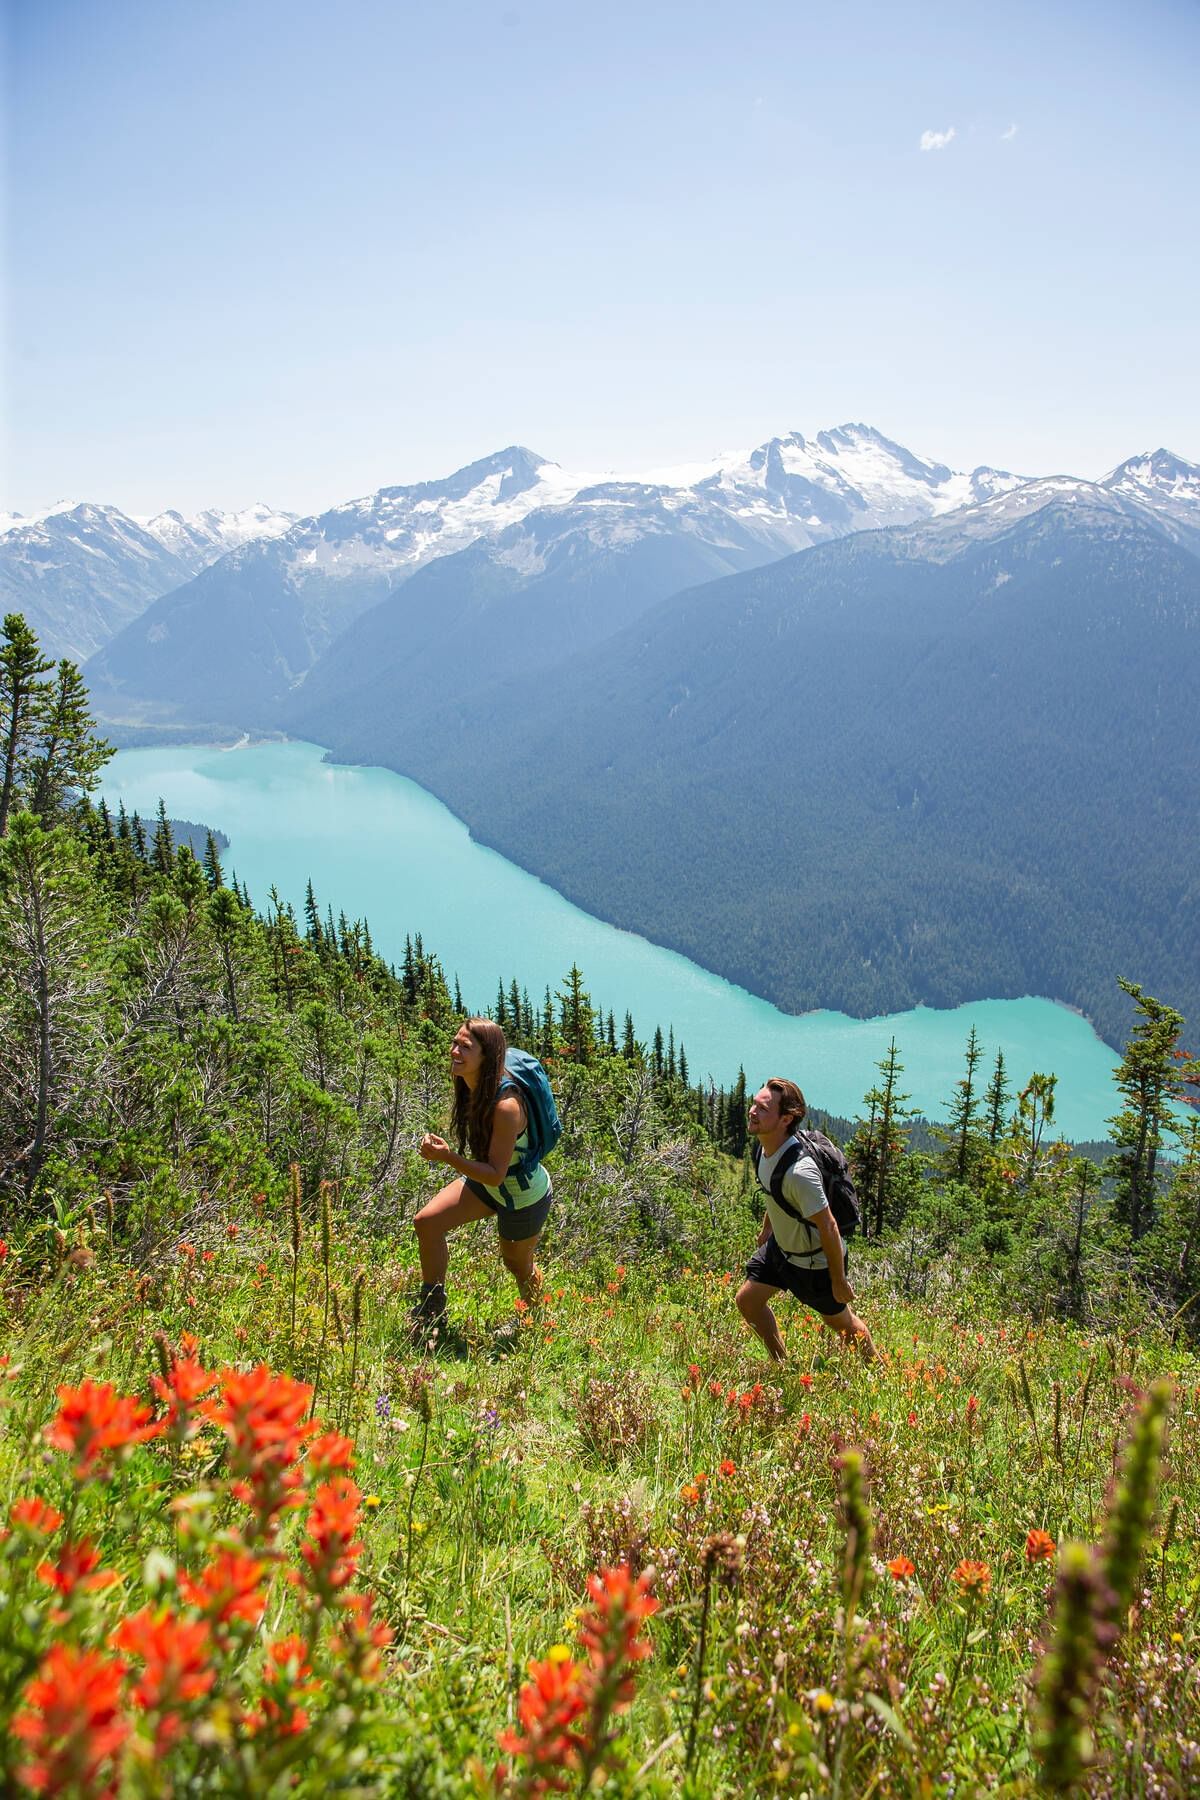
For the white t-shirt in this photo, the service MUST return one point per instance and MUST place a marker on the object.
(802, 1186)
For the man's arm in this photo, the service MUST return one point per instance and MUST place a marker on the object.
(765, 1233)
(825, 1226)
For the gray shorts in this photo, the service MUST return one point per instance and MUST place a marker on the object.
(515, 1223)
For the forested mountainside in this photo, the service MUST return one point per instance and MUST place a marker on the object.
(911, 766)
(209, 1118)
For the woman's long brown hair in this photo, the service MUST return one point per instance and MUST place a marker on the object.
(473, 1112)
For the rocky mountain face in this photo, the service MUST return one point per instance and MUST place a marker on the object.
(80, 573)
(230, 647)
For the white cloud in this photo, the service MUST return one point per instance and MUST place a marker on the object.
(936, 140)
(1006, 135)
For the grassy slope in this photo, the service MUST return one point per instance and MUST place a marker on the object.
(526, 1489)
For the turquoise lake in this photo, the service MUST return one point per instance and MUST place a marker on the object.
(379, 847)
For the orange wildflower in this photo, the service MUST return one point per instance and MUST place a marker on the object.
(727, 1468)
(176, 1656)
(263, 1416)
(549, 1708)
(361, 1640)
(902, 1568)
(288, 1680)
(1039, 1546)
(93, 1420)
(330, 1549)
(35, 1516)
(330, 1452)
(974, 1578)
(78, 1566)
(71, 1724)
(228, 1588)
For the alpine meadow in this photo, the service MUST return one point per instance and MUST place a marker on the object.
(599, 876)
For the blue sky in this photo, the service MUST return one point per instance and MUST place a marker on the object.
(298, 251)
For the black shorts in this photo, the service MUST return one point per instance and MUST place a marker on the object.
(771, 1267)
(515, 1223)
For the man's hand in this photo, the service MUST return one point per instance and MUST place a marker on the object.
(843, 1291)
(434, 1149)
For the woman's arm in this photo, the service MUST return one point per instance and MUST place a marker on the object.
(508, 1122)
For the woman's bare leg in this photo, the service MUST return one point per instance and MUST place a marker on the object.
(518, 1258)
(450, 1207)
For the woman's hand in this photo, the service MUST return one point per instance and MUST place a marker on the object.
(435, 1149)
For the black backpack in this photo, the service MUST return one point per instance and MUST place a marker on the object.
(835, 1179)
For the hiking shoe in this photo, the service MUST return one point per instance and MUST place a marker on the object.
(428, 1316)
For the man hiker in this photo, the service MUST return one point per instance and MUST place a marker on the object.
(800, 1248)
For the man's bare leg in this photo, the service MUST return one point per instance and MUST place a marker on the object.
(851, 1330)
(754, 1303)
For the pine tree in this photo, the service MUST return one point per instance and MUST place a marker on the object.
(671, 1052)
(683, 1065)
(459, 1008)
(578, 1018)
(629, 1049)
(879, 1141)
(214, 874)
(69, 755)
(500, 1012)
(610, 1033)
(23, 692)
(1035, 1110)
(164, 842)
(516, 1021)
(960, 1130)
(657, 1059)
(996, 1099)
(312, 918)
(736, 1131)
(1151, 1077)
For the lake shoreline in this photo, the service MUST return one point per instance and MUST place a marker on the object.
(380, 846)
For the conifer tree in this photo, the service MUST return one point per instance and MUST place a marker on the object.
(610, 1032)
(960, 1130)
(880, 1139)
(577, 1016)
(658, 1059)
(69, 756)
(164, 842)
(312, 918)
(139, 839)
(683, 1065)
(995, 1100)
(671, 1052)
(736, 1131)
(1151, 1079)
(22, 696)
(1035, 1110)
(458, 999)
(213, 873)
(629, 1047)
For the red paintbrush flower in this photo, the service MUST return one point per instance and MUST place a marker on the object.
(93, 1421)
(176, 1658)
(228, 1588)
(71, 1724)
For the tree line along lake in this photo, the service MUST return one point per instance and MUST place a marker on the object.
(377, 846)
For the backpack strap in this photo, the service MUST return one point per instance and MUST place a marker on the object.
(515, 1172)
(788, 1159)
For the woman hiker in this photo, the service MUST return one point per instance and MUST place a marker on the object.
(489, 1121)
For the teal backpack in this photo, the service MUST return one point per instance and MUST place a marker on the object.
(543, 1125)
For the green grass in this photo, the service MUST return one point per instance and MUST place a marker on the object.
(583, 1443)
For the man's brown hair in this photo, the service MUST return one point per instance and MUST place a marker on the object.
(791, 1101)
